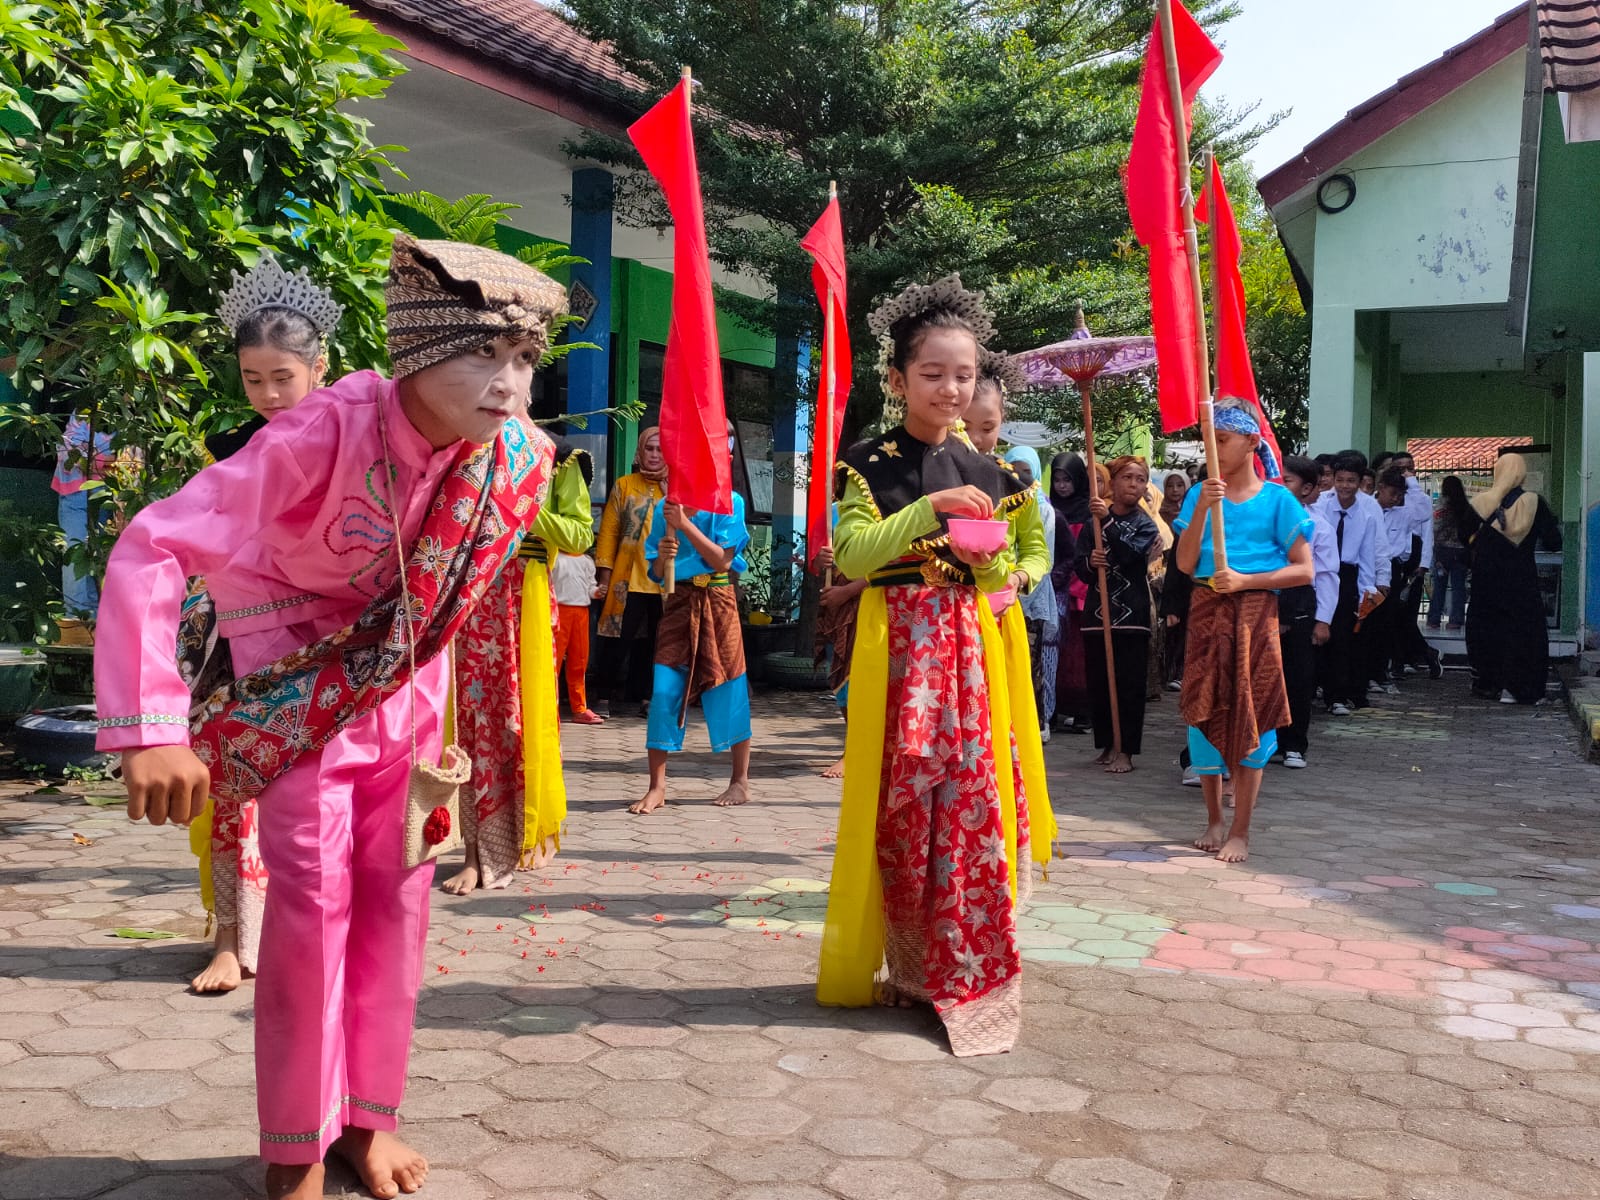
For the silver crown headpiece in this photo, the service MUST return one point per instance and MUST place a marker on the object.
(947, 294)
(1006, 368)
(268, 285)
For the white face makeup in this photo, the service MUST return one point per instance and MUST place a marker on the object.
(469, 397)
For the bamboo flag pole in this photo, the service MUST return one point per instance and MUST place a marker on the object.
(828, 384)
(1191, 237)
(669, 574)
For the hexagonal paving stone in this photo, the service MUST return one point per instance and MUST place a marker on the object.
(164, 1055)
(740, 1118)
(884, 1179)
(661, 1181)
(982, 1158)
(644, 1139)
(865, 1137)
(136, 1089)
(1036, 1094)
(1109, 1179)
(1323, 1175)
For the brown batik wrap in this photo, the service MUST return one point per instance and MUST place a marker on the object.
(700, 633)
(448, 298)
(1233, 688)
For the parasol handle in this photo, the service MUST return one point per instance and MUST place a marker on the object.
(1085, 389)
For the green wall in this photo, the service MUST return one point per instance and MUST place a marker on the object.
(641, 306)
(1564, 284)
(1471, 404)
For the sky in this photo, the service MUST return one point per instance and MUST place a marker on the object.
(1321, 59)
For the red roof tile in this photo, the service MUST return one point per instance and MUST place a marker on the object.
(1460, 453)
(522, 36)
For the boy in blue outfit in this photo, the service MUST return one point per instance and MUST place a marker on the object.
(1234, 698)
(699, 644)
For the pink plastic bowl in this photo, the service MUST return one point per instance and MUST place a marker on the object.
(978, 537)
(1000, 601)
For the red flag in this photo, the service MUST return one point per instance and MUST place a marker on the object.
(1155, 203)
(825, 243)
(694, 423)
(1235, 376)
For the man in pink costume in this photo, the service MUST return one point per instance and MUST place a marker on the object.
(295, 536)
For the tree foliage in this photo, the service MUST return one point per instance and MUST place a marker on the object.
(980, 136)
(147, 147)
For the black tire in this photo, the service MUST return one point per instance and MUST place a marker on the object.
(792, 672)
(59, 737)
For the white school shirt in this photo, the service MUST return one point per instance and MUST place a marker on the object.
(572, 580)
(1420, 505)
(1363, 533)
(1397, 529)
(1325, 564)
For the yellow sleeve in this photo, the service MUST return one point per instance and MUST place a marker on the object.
(564, 522)
(605, 548)
(1029, 550)
(864, 542)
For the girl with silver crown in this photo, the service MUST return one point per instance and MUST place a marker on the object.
(279, 322)
(934, 826)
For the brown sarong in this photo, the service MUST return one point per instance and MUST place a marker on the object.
(1233, 688)
(836, 631)
(700, 633)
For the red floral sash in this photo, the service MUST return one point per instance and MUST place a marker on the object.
(250, 731)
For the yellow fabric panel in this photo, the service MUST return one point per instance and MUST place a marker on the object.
(1042, 828)
(200, 847)
(852, 940)
(544, 804)
(994, 670)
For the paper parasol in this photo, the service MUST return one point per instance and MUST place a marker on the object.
(1082, 358)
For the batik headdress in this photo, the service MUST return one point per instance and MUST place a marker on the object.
(1233, 416)
(448, 298)
(895, 313)
(268, 285)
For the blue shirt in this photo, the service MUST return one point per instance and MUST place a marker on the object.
(1258, 532)
(728, 532)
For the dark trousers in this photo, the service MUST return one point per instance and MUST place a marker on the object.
(1299, 677)
(1410, 647)
(1340, 661)
(1132, 650)
(625, 664)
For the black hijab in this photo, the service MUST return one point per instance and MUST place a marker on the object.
(1073, 510)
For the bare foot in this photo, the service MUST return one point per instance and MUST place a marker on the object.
(463, 881)
(224, 972)
(836, 771)
(297, 1181)
(886, 995)
(737, 794)
(1120, 764)
(1103, 759)
(536, 857)
(1211, 840)
(1235, 850)
(386, 1164)
(652, 800)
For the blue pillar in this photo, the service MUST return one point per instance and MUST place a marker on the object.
(589, 371)
(792, 385)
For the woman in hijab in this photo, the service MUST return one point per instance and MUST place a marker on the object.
(1039, 605)
(1069, 496)
(632, 608)
(1508, 645)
